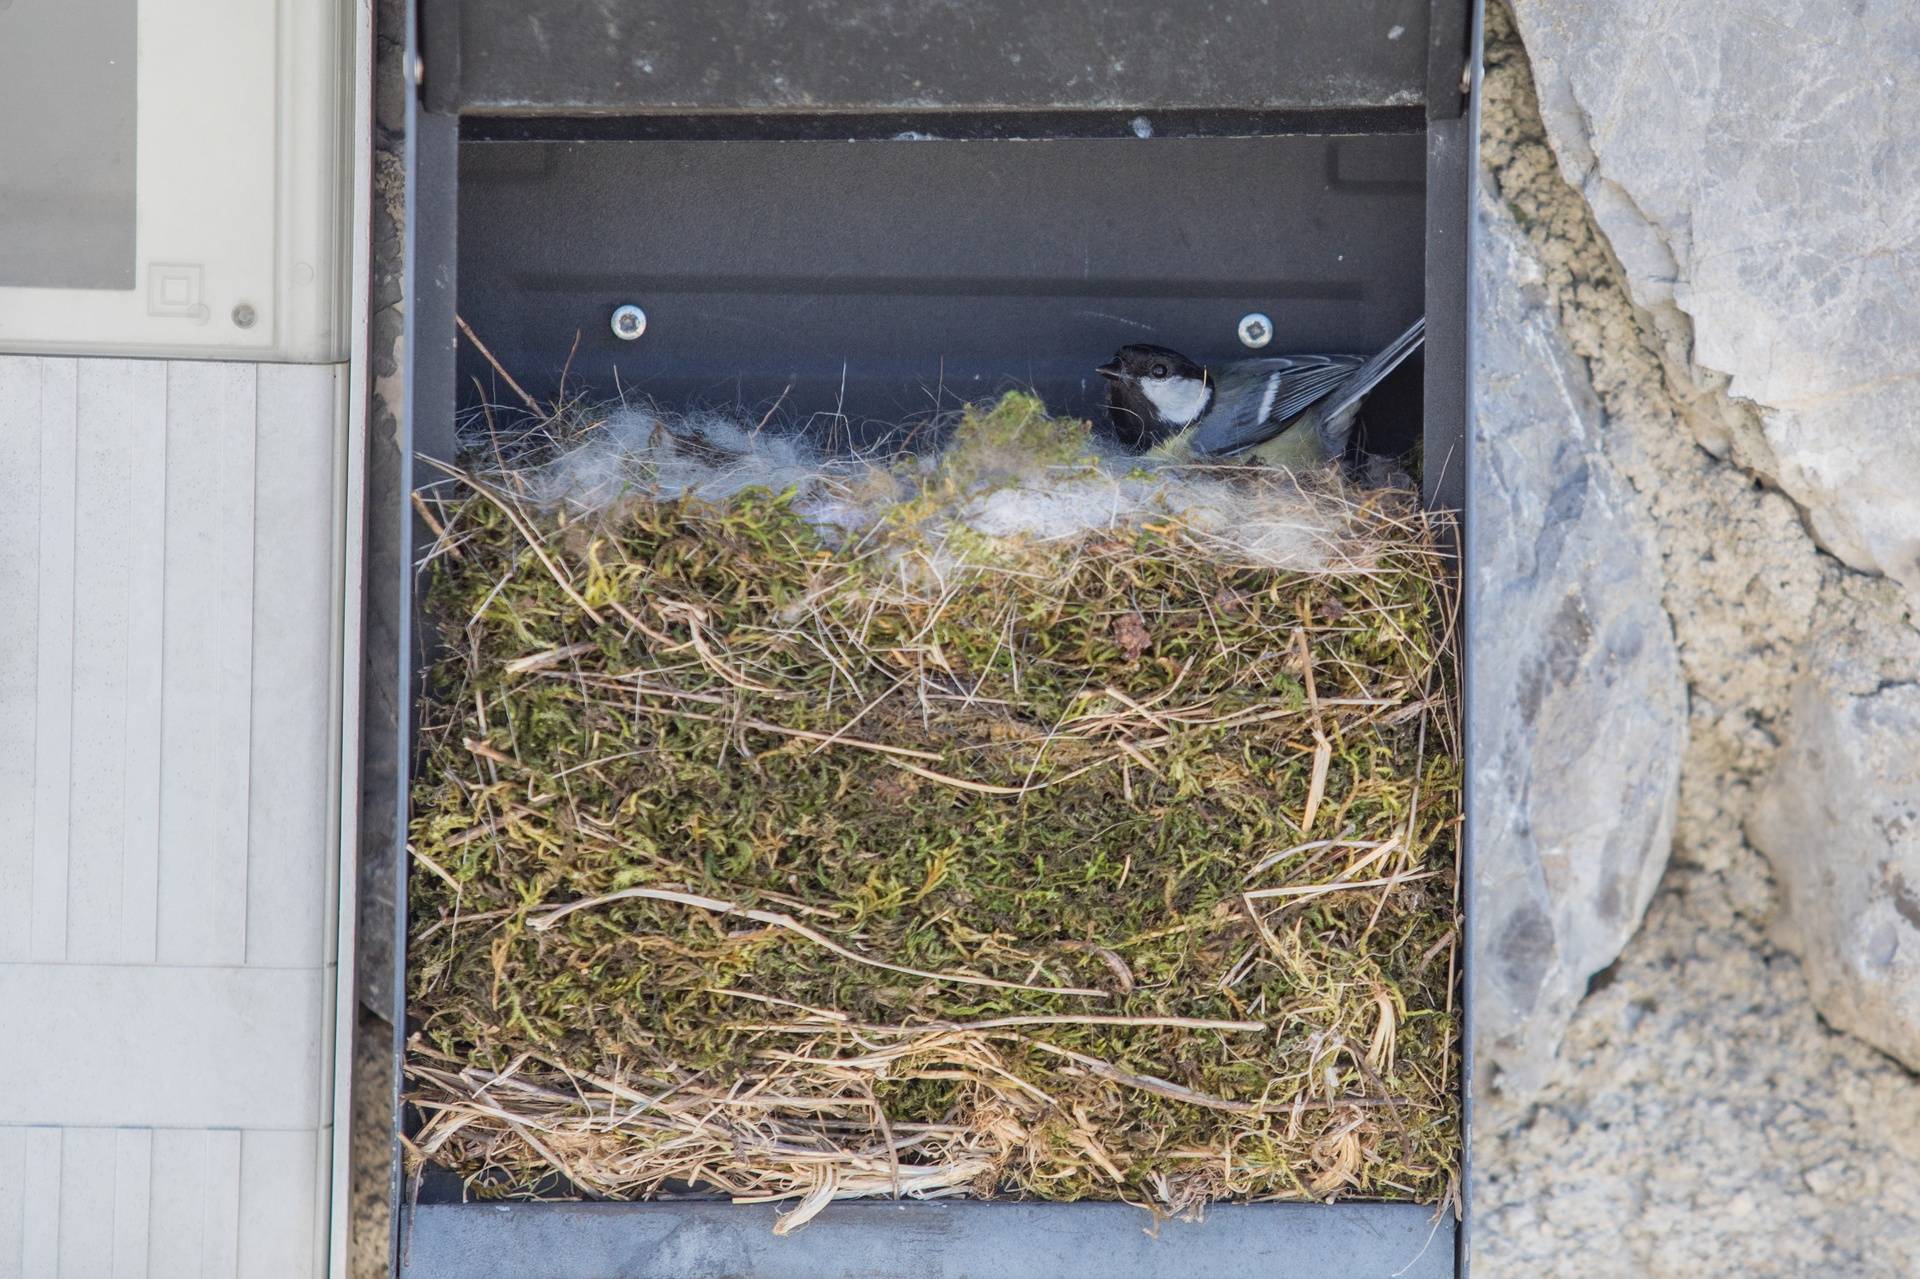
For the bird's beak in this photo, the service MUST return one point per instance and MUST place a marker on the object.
(1110, 369)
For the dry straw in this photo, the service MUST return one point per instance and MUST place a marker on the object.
(862, 839)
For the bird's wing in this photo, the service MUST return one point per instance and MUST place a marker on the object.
(1374, 368)
(1254, 399)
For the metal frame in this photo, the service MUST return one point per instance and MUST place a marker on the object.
(942, 1239)
(354, 614)
(1458, 166)
(704, 1237)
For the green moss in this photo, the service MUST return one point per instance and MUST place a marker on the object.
(1050, 767)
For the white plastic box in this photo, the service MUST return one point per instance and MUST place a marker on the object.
(173, 177)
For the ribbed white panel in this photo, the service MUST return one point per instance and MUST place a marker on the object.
(21, 435)
(169, 637)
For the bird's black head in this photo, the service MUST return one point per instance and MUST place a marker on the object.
(1153, 394)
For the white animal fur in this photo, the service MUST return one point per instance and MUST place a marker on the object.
(1252, 516)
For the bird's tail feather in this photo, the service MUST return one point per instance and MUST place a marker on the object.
(1368, 375)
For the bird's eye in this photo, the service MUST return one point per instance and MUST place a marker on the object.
(1159, 370)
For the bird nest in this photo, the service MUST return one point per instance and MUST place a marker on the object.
(902, 832)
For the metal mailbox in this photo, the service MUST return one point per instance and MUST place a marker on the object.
(859, 209)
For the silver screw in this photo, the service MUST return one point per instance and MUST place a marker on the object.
(244, 316)
(629, 322)
(1256, 330)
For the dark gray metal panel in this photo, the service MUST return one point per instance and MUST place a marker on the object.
(1463, 187)
(67, 122)
(935, 126)
(1452, 149)
(432, 234)
(870, 276)
(428, 307)
(1453, 142)
(1450, 45)
(587, 56)
(940, 1240)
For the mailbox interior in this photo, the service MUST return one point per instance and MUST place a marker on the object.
(859, 224)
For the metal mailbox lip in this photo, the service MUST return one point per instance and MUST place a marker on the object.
(1361, 1228)
(942, 1237)
(804, 56)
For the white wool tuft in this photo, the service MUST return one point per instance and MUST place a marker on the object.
(1249, 513)
(704, 455)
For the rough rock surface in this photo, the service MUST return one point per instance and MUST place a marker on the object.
(1579, 708)
(1758, 179)
(1702, 1119)
(1703, 1122)
(1840, 821)
(1754, 166)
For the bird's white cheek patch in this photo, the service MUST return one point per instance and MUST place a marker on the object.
(1178, 400)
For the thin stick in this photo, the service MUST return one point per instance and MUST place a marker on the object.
(535, 661)
(439, 870)
(432, 522)
(1274, 859)
(1316, 890)
(988, 788)
(1166, 1088)
(546, 920)
(840, 733)
(827, 1013)
(560, 396)
(526, 532)
(1094, 1019)
(766, 726)
(998, 1023)
(1322, 748)
(481, 347)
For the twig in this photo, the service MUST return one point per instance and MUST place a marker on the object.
(1274, 859)
(546, 920)
(766, 726)
(1175, 1092)
(1322, 748)
(481, 347)
(1317, 890)
(1002, 1023)
(989, 788)
(560, 395)
(526, 532)
(433, 523)
(535, 661)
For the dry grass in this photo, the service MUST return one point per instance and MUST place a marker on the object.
(919, 862)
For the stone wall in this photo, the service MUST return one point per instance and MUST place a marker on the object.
(1676, 228)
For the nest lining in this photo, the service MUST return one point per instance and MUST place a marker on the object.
(1016, 823)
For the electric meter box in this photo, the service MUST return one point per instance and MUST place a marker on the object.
(174, 178)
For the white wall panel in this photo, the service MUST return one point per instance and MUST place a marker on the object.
(170, 631)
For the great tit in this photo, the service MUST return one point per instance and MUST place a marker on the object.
(1288, 410)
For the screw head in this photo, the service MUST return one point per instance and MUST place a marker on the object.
(244, 315)
(629, 322)
(1256, 330)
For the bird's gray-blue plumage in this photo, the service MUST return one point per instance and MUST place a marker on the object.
(1251, 398)
(1255, 400)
